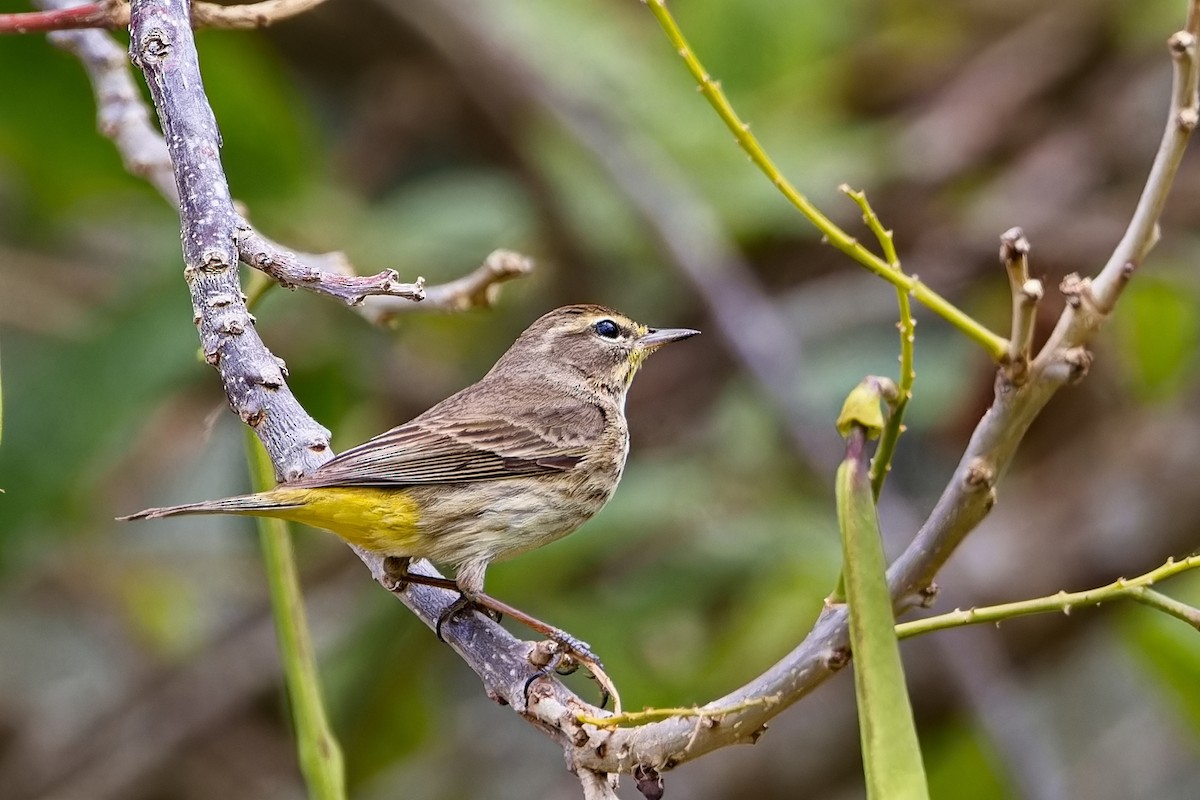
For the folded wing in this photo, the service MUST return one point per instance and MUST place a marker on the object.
(459, 447)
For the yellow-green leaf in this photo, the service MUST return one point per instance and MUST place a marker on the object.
(891, 754)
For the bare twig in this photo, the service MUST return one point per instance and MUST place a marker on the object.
(1026, 294)
(477, 289)
(114, 14)
(250, 15)
(290, 272)
(94, 15)
(1142, 232)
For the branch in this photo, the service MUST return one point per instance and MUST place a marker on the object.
(114, 14)
(289, 272)
(597, 786)
(477, 289)
(1026, 294)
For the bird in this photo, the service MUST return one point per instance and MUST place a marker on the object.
(517, 460)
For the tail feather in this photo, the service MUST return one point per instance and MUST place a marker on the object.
(242, 504)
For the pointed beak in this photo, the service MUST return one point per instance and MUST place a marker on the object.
(657, 337)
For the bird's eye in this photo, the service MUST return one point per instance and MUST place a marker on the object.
(607, 329)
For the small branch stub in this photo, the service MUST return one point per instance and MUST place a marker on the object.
(1026, 294)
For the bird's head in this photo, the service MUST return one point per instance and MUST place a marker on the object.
(601, 345)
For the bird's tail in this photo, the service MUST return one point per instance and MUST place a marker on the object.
(254, 504)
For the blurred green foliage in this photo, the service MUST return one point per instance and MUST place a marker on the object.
(713, 558)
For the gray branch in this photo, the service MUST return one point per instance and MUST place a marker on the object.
(290, 272)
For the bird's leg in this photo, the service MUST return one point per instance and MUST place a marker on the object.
(574, 648)
(396, 570)
(468, 583)
(395, 575)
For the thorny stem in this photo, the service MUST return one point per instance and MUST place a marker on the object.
(881, 464)
(995, 345)
(1137, 589)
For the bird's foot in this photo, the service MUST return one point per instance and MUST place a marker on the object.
(573, 651)
(395, 573)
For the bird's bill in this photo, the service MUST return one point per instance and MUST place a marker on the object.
(656, 338)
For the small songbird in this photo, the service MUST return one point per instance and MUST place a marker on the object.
(519, 459)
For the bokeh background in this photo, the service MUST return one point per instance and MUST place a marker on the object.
(138, 661)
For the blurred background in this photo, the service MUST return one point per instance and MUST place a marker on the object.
(138, 661)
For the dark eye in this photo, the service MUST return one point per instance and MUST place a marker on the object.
(607, 329)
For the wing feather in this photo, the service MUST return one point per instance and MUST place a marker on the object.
(463, 446)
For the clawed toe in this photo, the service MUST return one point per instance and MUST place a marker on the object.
(564, 654)
(461, 605)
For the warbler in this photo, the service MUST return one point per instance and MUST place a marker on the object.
(519, 459)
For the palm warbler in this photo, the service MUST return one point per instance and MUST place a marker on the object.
(519, 459)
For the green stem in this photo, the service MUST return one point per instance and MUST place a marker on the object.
(1122, 588)
(319, 754)
(996, 346)
(881, 464)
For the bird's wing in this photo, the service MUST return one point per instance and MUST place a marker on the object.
(464, 447)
